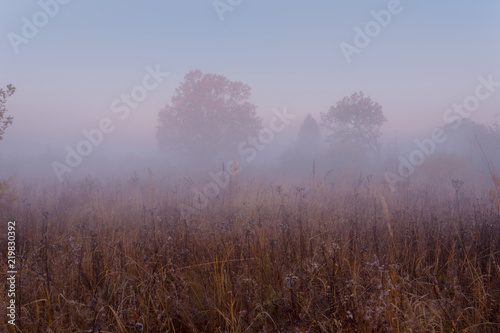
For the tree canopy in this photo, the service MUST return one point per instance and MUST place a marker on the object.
(355, 119)
(208, 115)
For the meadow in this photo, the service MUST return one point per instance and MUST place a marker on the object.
(118, 255)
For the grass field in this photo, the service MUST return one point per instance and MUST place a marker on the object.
(117, 255)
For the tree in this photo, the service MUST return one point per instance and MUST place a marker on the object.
(306, 150)
(355, 119)
(208, 115)
(471, 140)
(309, 137)
(5, 121)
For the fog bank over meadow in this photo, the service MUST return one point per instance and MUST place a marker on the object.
(78, 70)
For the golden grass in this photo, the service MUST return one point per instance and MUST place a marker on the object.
(118, 256)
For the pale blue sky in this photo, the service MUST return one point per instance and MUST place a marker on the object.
(91, 52)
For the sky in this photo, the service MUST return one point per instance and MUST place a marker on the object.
(86, 54)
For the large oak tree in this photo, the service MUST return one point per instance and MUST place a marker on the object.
(208, 115)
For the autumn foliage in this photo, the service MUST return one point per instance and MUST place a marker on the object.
(208, 115)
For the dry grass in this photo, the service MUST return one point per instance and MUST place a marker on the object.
(118, 256)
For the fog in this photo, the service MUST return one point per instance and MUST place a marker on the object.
(77, 64)
(249, 166)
